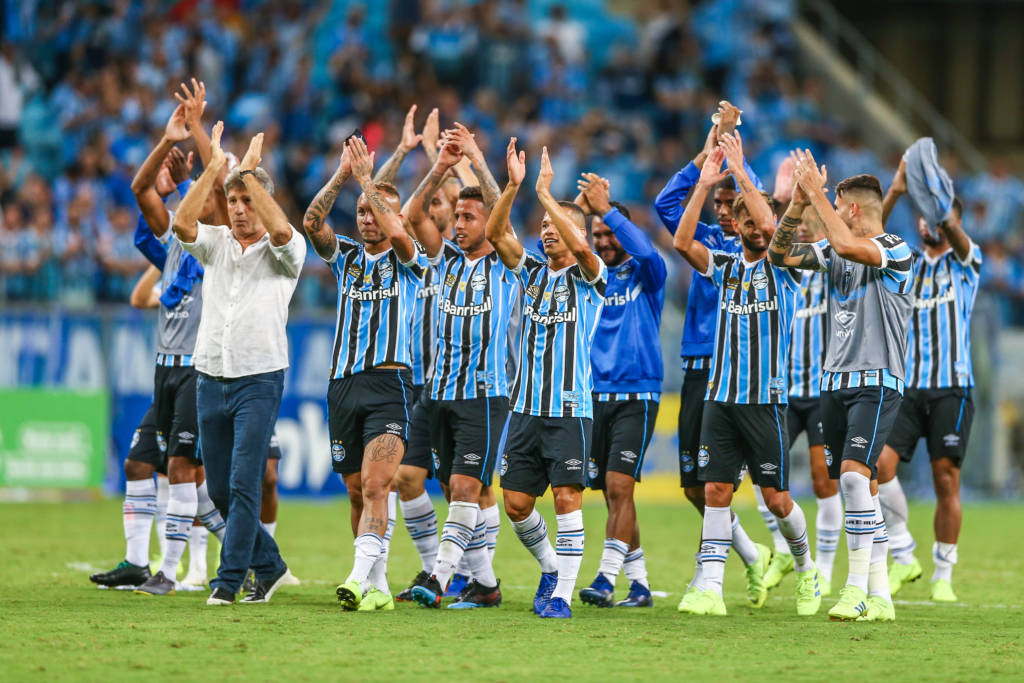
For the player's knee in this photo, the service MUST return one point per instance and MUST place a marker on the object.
(376, 488)
(567, 499)
(695, 494)
(465, 489)
(136, 471)
(517, 509)
(888, 462)
(778, 502)
(410, 481)
(619, 490)
(270, 479)
(823, 486)
(947, 478)
(718, 494)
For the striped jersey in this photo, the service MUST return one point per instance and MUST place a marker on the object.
(560, 314)
(376, 302)
(474, 303)
(939, 336)
(868, 312)
(424, 320)
(756, 303)
(807, 348)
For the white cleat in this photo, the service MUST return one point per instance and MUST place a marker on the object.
(289, 579)
(195, 581)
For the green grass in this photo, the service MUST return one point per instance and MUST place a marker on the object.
(56, 625)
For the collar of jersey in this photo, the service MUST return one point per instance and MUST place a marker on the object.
(932, 261)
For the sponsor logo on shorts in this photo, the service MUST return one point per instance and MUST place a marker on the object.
(951, 440)
(703, 456)
(393, 428)
(337, 451)
(573, 465)
(858, 442)
(135, 438)
(436, 458)
(628, 456)
(186, 437)
(471, 457)
(504, 465)
(828, 456)
(592, 470)
(686, 461)
(768, 467)
(161, 442)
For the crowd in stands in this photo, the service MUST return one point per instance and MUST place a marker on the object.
(85, 90)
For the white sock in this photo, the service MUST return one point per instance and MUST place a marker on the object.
(742, 544)
(612, 558)
(462, 568)
(271, 527)
(198, 539)
(781, 546)
(860, 526)
(635, 567)
(945, 556)
(456, 535)
(162, 495)
(533, 532)
(181, 512)
(828, 525)
(421, 522)
(477, 556)
(569, 548)
(368, 548)
(698, 573)
(379, 571)
(794, 528)
(716, 537)
(493, 518)
(137, 513)
(878, 573)
(208, 513)
(894, 508)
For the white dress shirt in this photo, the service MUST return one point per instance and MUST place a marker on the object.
(245, 301)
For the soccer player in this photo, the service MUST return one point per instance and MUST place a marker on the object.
(744, 420)
(627, 369)
(937, 404)
(699, 341)
(370, 392)
(468, 388)
(869, 305)
(549, 429)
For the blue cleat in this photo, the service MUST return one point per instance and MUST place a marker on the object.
(428, 593)
(457, 584)
(556, 609)
(639, 596)
(600, 593)
(544, 591)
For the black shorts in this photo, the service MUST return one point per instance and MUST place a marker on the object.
(466, 436)
(622, 433)
(174, 406)
(275, 448)
(754, 435)
(804, 415)
(691, 413)
(545, 450)
(148, 446)
(856, 423)
(942, 416)
(418, 452)
(363, 406)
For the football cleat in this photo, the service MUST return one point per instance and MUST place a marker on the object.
(902, 574)
(556, 608)
(376, 599)
(406, 595)
(808, 593)
(263, 590)
(249, 583)
(639, 596)
(707, 602)
(456, 585)
(781, 564)
(757, 571)
(290, 579)
(195, 581)
(125, 575)
(349, 595)
(600, 593)
(942, 591)
(851, 605)
(477, 595)
(824, 585)
(878, 609)
(158, 584)
(220, 597)
(688, 597)
(544, 590)
(429, 593)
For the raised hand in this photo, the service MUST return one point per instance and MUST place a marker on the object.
(176, 129)
(546, 174)
(466, 141)
(362, 160)
(728, 117)
(345, 162)
(179, 165)
(806, 172)
(194, 101)
(431, 132)
(217, 156)
(732, 145)
(516, 163)
(899, 181)
(165, 185)
(784, 183)
(252, 156)
(596, 193)
(451, 153)
(711, 172)
(409, 137)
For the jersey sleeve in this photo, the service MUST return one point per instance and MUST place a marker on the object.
(528, 264)
(897, 262)
(669, 202)
(343, 245)
(651, 265)
(971, 264)
(209, 238)
(716, 266)
(416, 266)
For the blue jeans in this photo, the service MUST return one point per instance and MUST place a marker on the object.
(236, 420)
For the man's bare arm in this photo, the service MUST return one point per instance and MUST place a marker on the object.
(142, 295)
(488, 185)
(186, 218)
(388, 171)
(418, 206)
(499, 228)
(590, 264)
(782, 251)
(263, 203)
(895, 191)
(759, 210)
(388, 220)
(320, 234)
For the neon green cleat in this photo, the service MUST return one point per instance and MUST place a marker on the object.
(350, 594)
(878, 609)
(851, 604)
(376, 599)
(707, 602)
(808, 592)
(757, 591)
(901, 574)
(782, 564)
(942, 591)
(688, 598)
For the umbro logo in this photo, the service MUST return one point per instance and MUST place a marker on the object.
(574, 461)
(858, 442)
(394, 426)
(471, 457)
(628, 456)
(769, 467)
(573, 465)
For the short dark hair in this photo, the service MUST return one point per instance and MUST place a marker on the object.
(575, 213)
(621, 207)
(958, 207)
(388, 189)
(864, 181)
(727, 184)
(471, 192)
(739, 204)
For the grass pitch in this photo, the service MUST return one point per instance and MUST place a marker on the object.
(57, 626)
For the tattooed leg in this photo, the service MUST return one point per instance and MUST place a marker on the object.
(381, 459)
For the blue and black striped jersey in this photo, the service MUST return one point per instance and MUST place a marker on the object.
(756, 303)
(939, 336)
(807, 347)
(560, 314)
(376, 301)
(424, 321)
(475, 301)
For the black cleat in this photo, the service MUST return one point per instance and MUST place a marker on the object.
(477, 595)
(124, 576)
(406, 595)
(249, 584)
(264, 589)
(221, 596)
(429, 593)
(158, 584)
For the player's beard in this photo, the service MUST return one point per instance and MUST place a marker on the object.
(752, 246)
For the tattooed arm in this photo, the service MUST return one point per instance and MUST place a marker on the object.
(418, 206)
(388, 218)
(410, 139)
(783, 251)
(466, 142)
(319, 232)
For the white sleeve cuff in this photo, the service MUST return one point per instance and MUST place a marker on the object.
(522, 261)
(881, 251)
(600, 273)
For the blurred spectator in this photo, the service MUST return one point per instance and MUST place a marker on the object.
(120, 262)
(995, 203)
